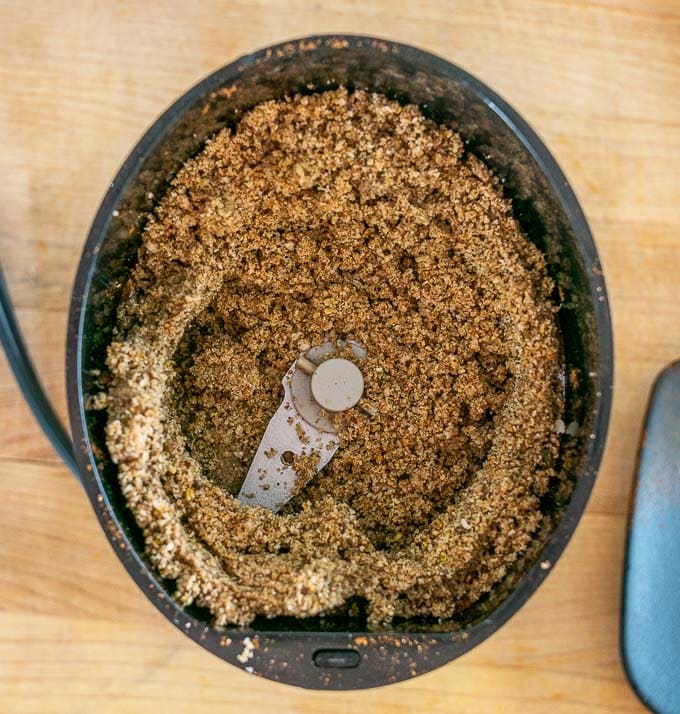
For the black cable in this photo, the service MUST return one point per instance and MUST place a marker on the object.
(21, 365)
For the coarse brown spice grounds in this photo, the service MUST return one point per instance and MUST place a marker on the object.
(332, 216)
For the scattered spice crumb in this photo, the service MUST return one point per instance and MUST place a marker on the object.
(247, 652)
(301, 433)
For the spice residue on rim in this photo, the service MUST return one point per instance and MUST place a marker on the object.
(337, 216)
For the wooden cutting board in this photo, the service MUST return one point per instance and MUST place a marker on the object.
(79, 83)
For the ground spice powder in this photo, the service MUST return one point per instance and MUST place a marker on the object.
(337, 215)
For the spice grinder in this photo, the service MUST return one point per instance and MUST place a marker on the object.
(339, 651)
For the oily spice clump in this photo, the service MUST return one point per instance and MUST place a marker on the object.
(336, 216)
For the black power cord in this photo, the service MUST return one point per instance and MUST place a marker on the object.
(20, 362)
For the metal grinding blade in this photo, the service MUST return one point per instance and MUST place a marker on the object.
(316, 383)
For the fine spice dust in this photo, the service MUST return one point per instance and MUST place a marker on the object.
(337, 216)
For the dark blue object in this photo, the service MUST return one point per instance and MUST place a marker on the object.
(650, 633)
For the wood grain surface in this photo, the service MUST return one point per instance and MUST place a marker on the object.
(79, 83)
